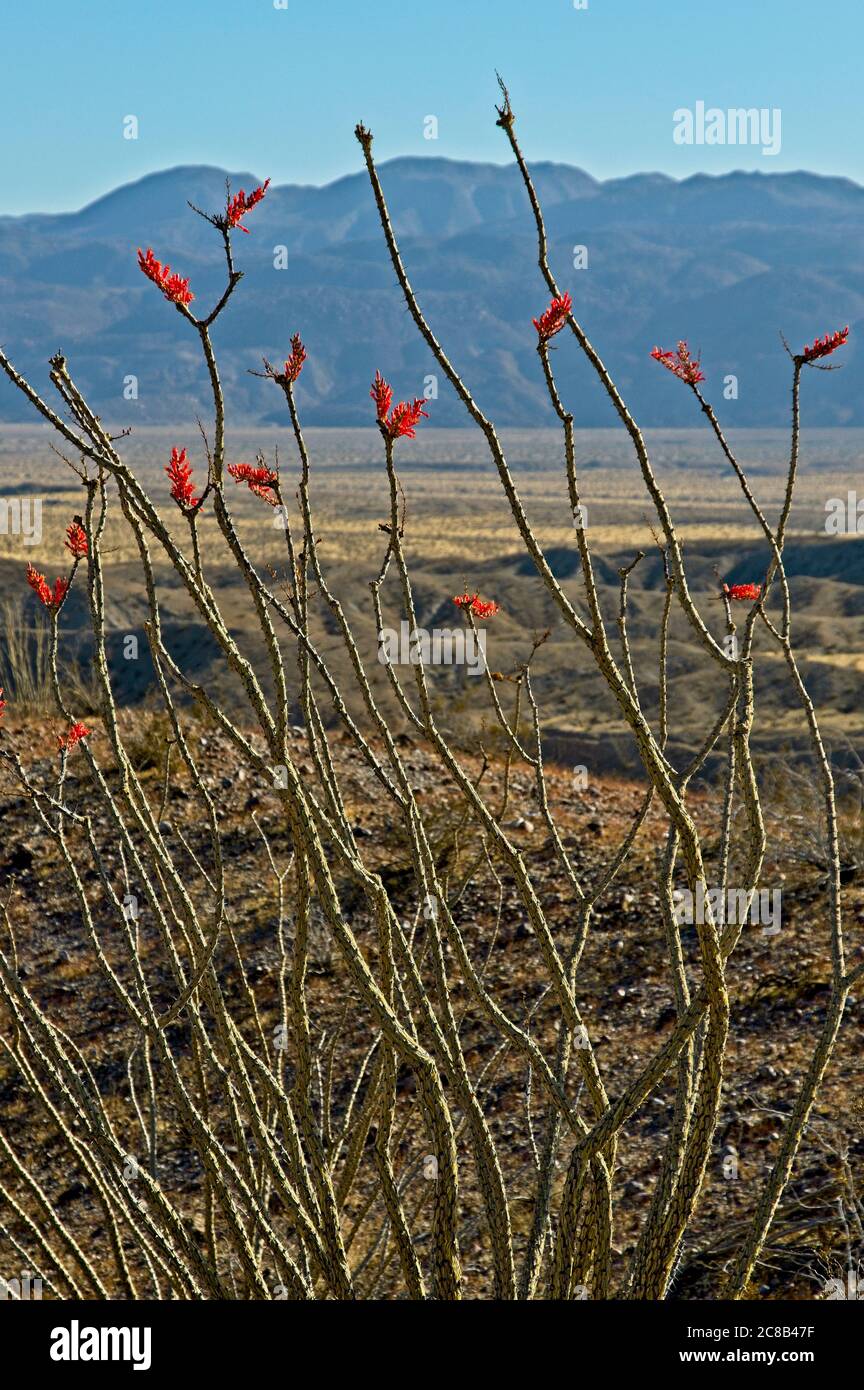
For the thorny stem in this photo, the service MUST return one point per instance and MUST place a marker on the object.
(298, 1166)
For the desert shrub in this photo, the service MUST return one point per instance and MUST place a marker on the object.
(365, 1154)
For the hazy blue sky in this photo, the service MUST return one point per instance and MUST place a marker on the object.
(243, 84)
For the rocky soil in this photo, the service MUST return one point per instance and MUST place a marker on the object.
(779, 986)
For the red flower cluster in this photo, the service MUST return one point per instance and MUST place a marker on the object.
(241, 203)
(174, 287)
(823, 347)
(402, 421)
(382, 395)
(259, 480)
(180, 474)
(75, 735)
(76, 540)
(680, 363)
(481, 608)
(553, 319)
(743, 592)
(52, 599)
(294, 364)
(2, 703)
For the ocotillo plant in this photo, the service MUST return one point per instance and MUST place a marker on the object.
(370, 1183)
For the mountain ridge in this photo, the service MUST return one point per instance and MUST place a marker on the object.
(427, 161)
(729, 261)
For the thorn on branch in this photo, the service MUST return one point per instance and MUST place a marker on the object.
(506, 118)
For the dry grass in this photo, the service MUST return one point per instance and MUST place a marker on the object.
(455, 502)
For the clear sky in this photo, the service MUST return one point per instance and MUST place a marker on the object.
(276, 86)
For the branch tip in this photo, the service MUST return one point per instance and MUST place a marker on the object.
(505, 111)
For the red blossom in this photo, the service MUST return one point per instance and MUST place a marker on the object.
(294, 364)
(553, 319)
(75, 735)
(743, 592)
(179, 471)
(2, 703)
(473, 603)
(382, 395)
(241, 203)
(823, 347)
(259, 480)
(402, 421)
(405, 418)
(680, 363)
(76, 540)
(174, 287)
(40, 586)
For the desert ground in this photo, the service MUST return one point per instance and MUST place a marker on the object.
(458, 534)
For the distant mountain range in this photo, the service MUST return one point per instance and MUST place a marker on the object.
(728, 262)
